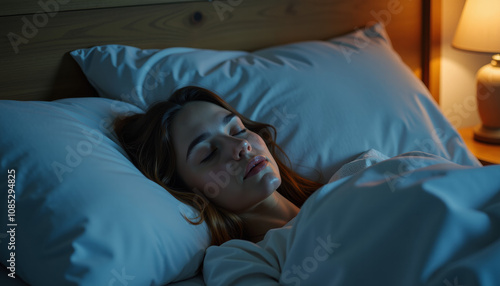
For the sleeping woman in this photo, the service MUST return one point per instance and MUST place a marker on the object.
(415, 218)
(214, 159)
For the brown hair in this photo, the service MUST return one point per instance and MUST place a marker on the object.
(146, 138)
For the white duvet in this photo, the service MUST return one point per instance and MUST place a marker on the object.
(415, 219)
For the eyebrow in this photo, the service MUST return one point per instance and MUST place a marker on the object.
(203, 136)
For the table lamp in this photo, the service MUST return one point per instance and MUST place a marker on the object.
(479, 31)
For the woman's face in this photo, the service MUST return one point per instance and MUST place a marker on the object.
(218, 157)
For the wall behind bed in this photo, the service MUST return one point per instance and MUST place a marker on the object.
(38, 35)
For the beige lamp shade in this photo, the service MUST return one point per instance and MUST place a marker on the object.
(479, 27)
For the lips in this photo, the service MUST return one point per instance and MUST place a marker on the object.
(255, 166)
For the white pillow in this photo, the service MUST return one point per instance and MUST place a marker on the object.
(85, 215)
(329, 100)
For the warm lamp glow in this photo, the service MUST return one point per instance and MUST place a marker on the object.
(479, 27)
(479, 30)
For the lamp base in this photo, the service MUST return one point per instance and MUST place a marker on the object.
(487, 134)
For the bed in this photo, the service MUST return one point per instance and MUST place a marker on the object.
(351, 87)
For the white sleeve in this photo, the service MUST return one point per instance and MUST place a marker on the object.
(241, 262)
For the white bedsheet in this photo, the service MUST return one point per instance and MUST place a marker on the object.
(415, 219)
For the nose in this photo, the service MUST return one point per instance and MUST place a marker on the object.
(241, 148)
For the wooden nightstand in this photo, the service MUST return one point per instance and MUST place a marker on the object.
(486, 153)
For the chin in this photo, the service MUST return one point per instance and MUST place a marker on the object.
(271, 182)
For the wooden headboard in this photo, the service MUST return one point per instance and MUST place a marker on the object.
(38, 35)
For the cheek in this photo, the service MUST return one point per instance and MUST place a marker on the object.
(213, 183)
(223, 188)
(193, 180)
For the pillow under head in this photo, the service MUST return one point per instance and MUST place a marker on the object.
(329, 100)
(84, 214)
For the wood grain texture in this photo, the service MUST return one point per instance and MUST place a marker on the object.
(41, 68)
(20, 7)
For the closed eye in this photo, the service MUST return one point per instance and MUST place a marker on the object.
(210, 156)
(240, 132)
